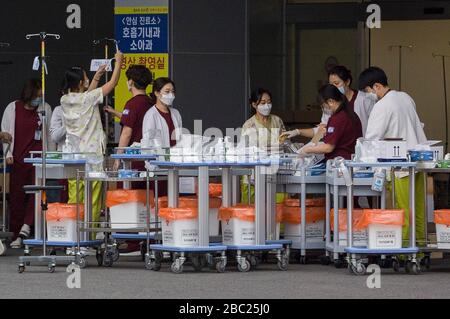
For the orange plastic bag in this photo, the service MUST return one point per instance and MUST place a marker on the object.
(356, 216)
(189, 202)
(381, 216)
(292, 215)
(310, 202)
(170, 213)
(215, 189)
(442, 216)
(242, 212)
(279, 211)
(123, 196)
(58, 211)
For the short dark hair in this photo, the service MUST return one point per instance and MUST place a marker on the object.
(329, 91)
(372, 75)
(30, 90)
(257, 94)
(342, 72)
(72, 78)
(141, 76)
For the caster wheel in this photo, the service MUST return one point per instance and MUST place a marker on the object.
(396, 265)
(245, 266)
(2, 248)
(82, 262)
(51, 269)
(220, 267)
(115, 255)
(338, 263)
(283, 264)
(303, 260)
(325, 260)
(108, 260)
(175, 268)
(159, 256)
(415, 269)
(21, 269)
(253, 261)
(99, 258)
(197, 263)
(358, 270)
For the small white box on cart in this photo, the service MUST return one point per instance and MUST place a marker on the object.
(442, 221)
(62, 222)
(238, 225)
(359, 234)
(384, 227)
(179, 226)
(315, 223)
(128, 208)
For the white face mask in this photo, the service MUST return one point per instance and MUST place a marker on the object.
(341, 89)
(264, 109)
(167, 99)
(373, 96)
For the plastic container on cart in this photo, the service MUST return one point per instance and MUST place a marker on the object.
(310, 202)
(215, 189)
(384, 227)
(62, 222)
(238, 225)
(442, 221)
(192, 201)
(128, 208)
(179, 226)
(315, 223)
(359, 234)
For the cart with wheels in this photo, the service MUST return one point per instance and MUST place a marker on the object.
(302, 181)
(337, 189)
(55, 168)
(354, 254)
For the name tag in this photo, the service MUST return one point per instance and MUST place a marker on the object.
(37, 135)
(330, 130)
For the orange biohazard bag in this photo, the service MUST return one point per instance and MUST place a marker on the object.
(170, 213)
(279, 212)
(215, 189)
(381, 216)
(58, 211)
(310, 202)
(123, 196)
(356, 216)
(242, 212)
(291, 214)
(190, 202)
(442, 216)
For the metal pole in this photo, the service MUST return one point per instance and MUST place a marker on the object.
(4, 188)
(445, 103)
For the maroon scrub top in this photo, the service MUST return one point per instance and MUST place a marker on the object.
(133, 116)
(26, 125)
(168, 118)
(342, 132)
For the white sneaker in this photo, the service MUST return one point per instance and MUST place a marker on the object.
(17, 244)
(25, 231)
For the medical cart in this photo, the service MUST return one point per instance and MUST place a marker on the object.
(4, 234)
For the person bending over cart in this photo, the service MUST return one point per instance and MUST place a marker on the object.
(23, 121)
(83, 121)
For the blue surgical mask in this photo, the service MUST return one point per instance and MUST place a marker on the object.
(36, 102)
(341, 89)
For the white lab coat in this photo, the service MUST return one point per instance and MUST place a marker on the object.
(363, 107)
(154, 121)
(395, 116)
(57, 128)
(9, 125)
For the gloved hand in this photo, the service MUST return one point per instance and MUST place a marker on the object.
(289, 134)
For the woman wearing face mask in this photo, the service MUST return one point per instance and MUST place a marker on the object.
(23, 121)
(343, 128)
(261, 130)
(82, 119)
(162, 116)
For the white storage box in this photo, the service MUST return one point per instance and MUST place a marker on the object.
(384, 236)
(393, 149)
(359, 235)
(442, 220)
(61, 222)
(179, 227)
(238, 225)
(315, 224)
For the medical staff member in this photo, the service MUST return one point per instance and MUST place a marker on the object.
(343, 128)
(395, 116)
(139, 78)
(164, 118)
(262, 130)
(22, 120)
(82, 119)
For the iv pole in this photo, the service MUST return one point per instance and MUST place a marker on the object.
(442, 56)
(43, 188)
(400, 47)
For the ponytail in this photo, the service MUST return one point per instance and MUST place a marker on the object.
(72, 78)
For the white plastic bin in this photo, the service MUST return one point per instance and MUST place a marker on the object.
(384, 227)
(315, 224)
(359, 235)
(442, 220)
(61, 222)
(179, 226)
(238, 225)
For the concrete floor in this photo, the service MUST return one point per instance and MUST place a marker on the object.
(128, 279)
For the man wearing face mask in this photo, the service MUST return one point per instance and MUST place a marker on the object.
(395, 116)
(22, 119)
